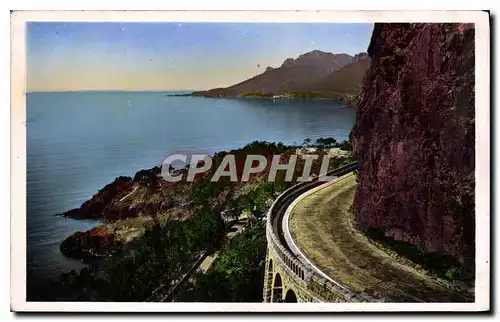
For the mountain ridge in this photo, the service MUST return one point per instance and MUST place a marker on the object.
(301, 74)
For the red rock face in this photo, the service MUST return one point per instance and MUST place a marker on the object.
(414, 137)
(96, 206)
(95, 243)
(99, 231)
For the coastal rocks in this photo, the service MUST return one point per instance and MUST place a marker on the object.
(148, 177)
(414, 137)
(350, 101)
(139, 209)
(95, 207)
(93, 244)
(122, 199)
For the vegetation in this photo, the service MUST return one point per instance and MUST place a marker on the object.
(300, 95)
(237, 274)
(328, 143)
(312, 95)
(163, 254)
(304, 95)
(271, 147)
(307, 142)
(257, 200)
(256, 95)
(439, 264)
(277, 148)
(344, 145)
(319, 94)
(204, 190)
(149, 264)
(351, 101)
(148, 177)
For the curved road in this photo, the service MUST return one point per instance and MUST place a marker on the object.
(314, 226)
(292, 245)
(287, 198)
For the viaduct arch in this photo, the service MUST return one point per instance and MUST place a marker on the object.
(289, 278)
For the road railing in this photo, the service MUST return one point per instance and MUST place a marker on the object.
(304, 274)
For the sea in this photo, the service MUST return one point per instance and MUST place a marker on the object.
(77, 142)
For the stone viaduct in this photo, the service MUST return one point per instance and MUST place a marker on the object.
(287, 277)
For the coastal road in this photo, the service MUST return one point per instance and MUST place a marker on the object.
(282, 203)
(295, 250)
(319, 230)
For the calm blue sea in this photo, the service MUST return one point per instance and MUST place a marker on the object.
(79, 141)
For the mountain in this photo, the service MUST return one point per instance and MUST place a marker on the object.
(347, 80)
(319, 61)
(361, 56)
(292, 75)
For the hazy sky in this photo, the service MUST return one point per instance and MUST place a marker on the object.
(173, 56)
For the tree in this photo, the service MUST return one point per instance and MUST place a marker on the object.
(148, 178)
(237, 274)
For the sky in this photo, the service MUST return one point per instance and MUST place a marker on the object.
(173, 56)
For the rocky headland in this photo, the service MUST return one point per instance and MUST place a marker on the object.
(315, 74)
(129, 207)
(95, 243)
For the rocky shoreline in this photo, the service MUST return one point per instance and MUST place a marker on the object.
(96, 207)
(128, 207)
(93, 244)
(114, 204)
(348, 100)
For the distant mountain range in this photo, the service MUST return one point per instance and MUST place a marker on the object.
(315, 72)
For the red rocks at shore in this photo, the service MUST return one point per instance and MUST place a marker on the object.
(414, 137)
(95, 243)
(96, 206)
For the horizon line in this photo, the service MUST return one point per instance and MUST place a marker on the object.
(111, 90)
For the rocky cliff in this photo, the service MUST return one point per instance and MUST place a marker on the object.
(95, 243)
(414, 137)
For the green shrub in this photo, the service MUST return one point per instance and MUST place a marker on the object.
(452, 273)
(439, 264)
(237, 274)
(163, 254)
(204, 190)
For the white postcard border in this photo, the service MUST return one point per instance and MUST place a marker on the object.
(18, 153)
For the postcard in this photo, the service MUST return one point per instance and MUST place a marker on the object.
(250, 161)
